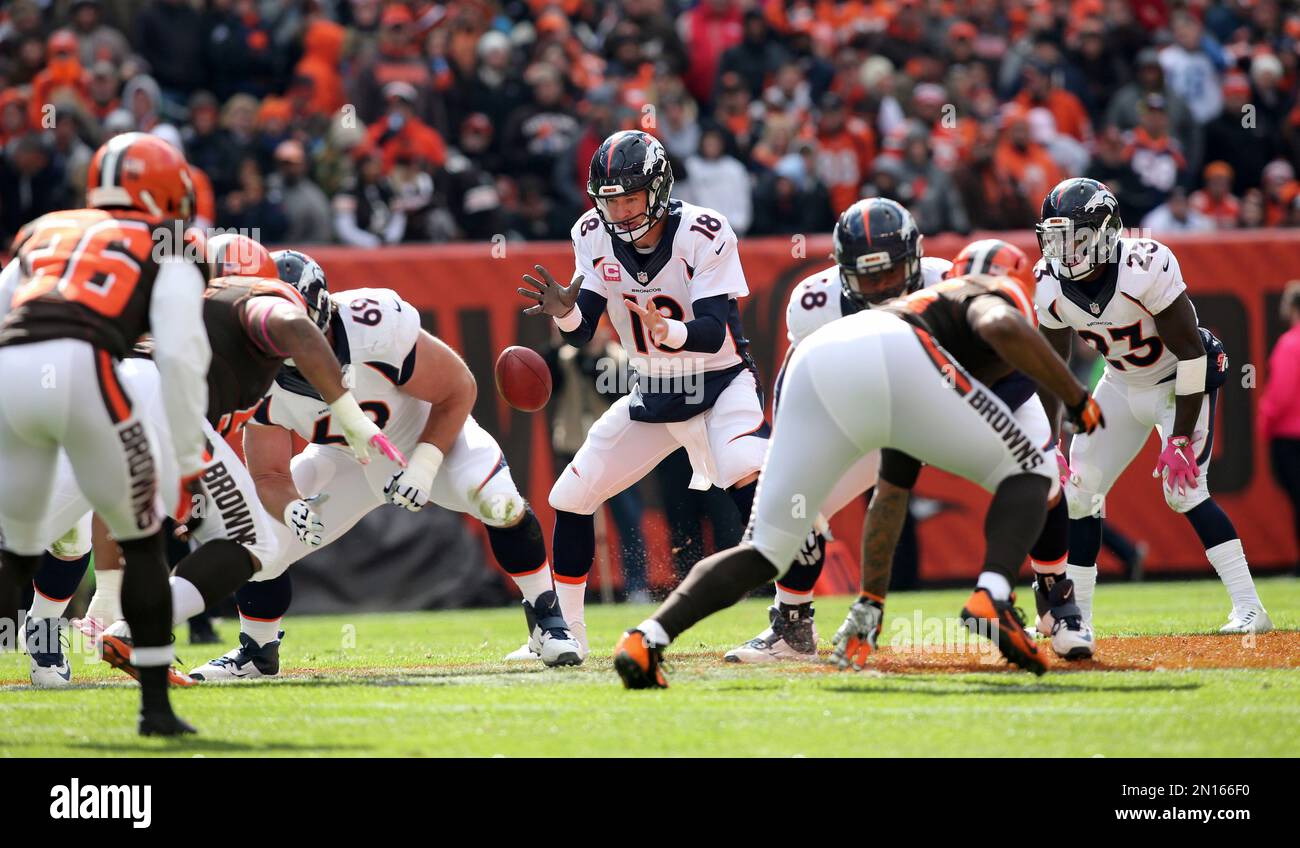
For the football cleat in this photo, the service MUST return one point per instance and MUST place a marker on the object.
(114, 646)
(982, 614)
(791, 636)
(638, 662)
(548, 634)
(42, 638)
(1071, 635)
(1247, 620)
(247, 662)
(163, 723)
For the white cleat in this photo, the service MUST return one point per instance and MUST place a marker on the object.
(1247, 620)
(1071, 633)
(42, 639)
(549, 637)
(792, 637)
(249, 661)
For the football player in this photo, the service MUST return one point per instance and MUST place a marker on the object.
(253, 322)
(877, 253)
(420, 393)
(668, 275)
(1126, 298)
(84, 285)
(861, 384)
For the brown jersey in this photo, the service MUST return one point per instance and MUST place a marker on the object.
(941, 311)
(88, 274)
(244, 357)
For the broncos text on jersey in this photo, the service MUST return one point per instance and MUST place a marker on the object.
(1115, 314)
(374, 333)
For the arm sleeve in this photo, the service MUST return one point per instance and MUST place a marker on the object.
(182, 354)
(706, 332)
(590, 307)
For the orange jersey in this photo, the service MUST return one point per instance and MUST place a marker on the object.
(88, 274)
(844, 160)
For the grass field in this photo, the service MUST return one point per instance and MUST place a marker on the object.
(421, 684)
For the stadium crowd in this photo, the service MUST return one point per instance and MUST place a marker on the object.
(368, 122)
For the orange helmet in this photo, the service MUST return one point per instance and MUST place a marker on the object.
(993, 256)
(236, 255)
(143, 173)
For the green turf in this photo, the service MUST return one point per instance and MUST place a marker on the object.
(431, 684)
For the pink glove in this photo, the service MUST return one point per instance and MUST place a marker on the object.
(1179, 463)
(1063, 467)
(381, 443)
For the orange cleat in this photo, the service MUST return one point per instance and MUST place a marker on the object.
(638, 663)
(981, 612)
(116, 651)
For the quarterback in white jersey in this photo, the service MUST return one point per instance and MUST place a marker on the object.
(1127, 299)
(419, 393)
(668, 276)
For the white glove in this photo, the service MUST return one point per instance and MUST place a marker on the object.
(856, 638)
(360, 432)
(301, 517)
(410, 487)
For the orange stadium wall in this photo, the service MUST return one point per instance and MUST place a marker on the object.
(466, 294)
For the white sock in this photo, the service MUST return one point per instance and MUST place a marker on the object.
(1229, 560)
(573, 600)
(259, 631)
(150, 657)
(534, 584)
(1085, 580)
(106, 605)
(997, 585)
(43, 607)
(187, 601)
(794, 599)
(654, 633)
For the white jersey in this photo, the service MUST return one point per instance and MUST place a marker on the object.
(698, 257)
(818, 300)
(1115, 314)
(375, 332)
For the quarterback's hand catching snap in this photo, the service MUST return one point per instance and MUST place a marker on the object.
(552, 298)
(1178, 462)
(656, 325)
(300, 516)
(856, 638)
(410, 487)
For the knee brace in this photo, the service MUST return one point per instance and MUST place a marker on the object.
(574, 544)
(266, 600)
(519, 549)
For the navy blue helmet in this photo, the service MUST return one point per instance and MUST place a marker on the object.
(878, 250)
(303, 273)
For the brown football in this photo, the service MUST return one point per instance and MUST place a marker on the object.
(523, 378)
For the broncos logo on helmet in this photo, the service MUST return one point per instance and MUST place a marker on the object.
(303, 273)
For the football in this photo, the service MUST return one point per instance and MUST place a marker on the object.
(523, 378)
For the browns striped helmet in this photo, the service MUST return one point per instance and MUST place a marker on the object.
(993, 256)
(237, 255)
(143, 173)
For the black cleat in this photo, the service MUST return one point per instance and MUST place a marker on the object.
(163, 723)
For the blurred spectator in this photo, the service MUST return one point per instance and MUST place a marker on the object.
(62, 78)
(1252, 209)
(1150, 79)
(1279, 406)
(573, 167)
(1216, 200)
(1100, 61)
(951, 134)
(1271, 97)
(1155, 157)
(105, 86)
(209, 146)
(31, 184)
(1040, 90)
(248, 209)
(708, 31)
(1238, 137)
(1279, 192)
(363, 213)
(1176, 215)
(1191, 73)
(735, 111)
(534, 214)
(323, 42)
(538, 132)
(399, 133)
(845, 149)
(679, 126)
(928, 191)
(656, 34)
(71, 156)
(13, 116)
(1070, 155)
(1027, 163)
(304, 204)
(473, 199)
(397, 60)
(97, 42)
(990, 192)
(170, 34)
(238, 50)
(791, 199)
(143, 99)
(757, 57)
(495, 88)
(717, 180)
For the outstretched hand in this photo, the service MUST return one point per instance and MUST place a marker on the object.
(552, 298)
